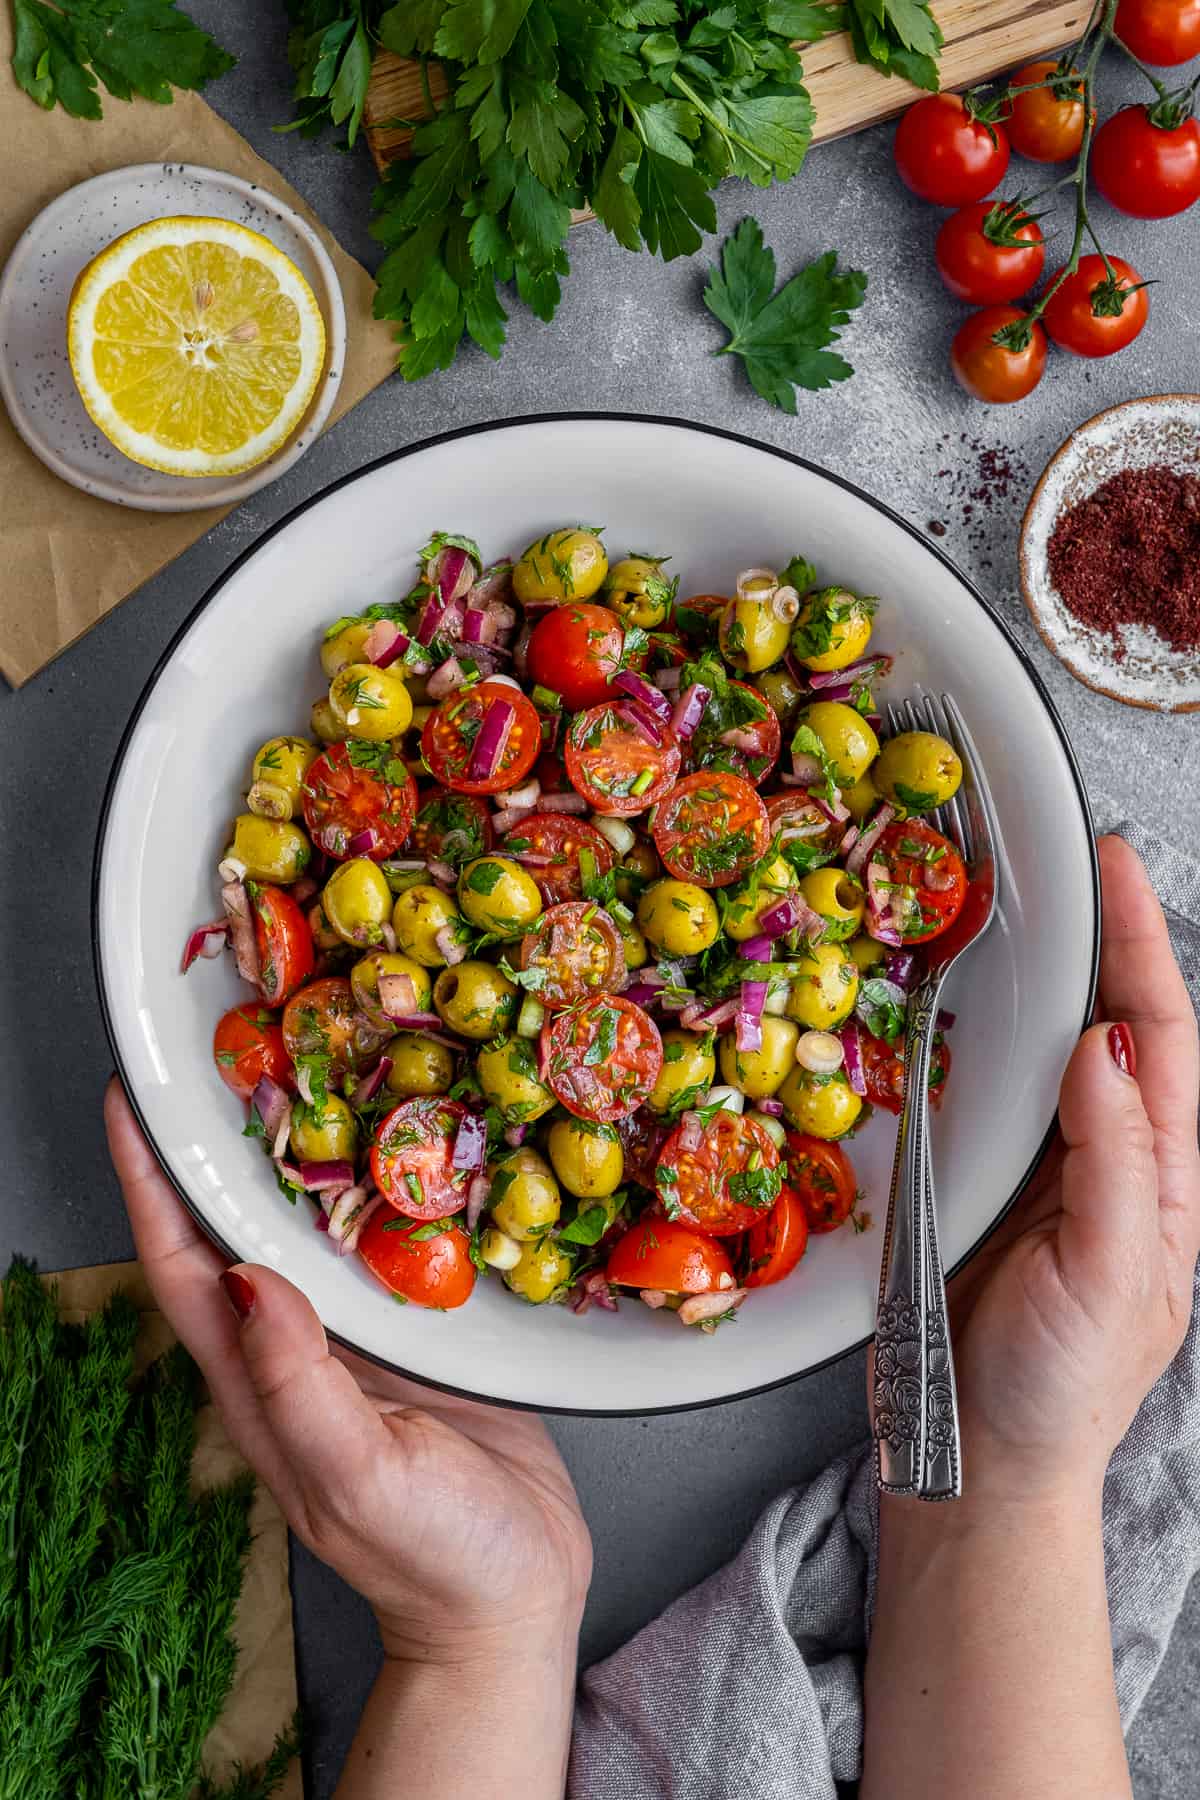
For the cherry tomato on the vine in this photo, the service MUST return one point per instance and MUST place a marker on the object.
(991, 371)
(1046, 123)
(1092, 315)
(990, 251)
(1146, 170)
(945, 155)
(1164, 32)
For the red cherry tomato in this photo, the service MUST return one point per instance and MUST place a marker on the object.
(620, 758)
(711, 828)
(322, 1019)
(990, 251)
(1071, 316)
(797, 818)
(668, 1258)
(576, 951)
(929, 882)
(1144, 169)
(428, 1271)
(489, 714)
(285, 943)
(452, 828)
(989, 371)
(345, 798)
(570, 846)
(1045, 124)
(775, 1244)
(720, 1177)
(883, 1065)
(823, 1179)
(411, 1158)
(1164, 32)
(575, 651)
(602, 1058)
(755, 753)
(247, 1045)
(945, 155)
(642, 1137)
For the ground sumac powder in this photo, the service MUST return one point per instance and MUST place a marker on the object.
(1130, 555)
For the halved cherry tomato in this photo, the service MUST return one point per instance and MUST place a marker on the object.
(465, 720)
(991, 371)
(323, 1020)
(990, 251)
(561, 839)
(576, 952)
(794, 817)
(929, 882)
(642, 1137)
(1146, 170)
(711, 828)
(945, 155)
(601, 1059)
(696, 615)
(775, 1244)
(883, 1065)
(1046, 123)
(428, 1271)
(285, 943)
(669, 1259)
(621, 758)
(1071, 318)
(757, 750)
(575, 651)
(720, 1177)
(247, 1045)
(411, 1158)
(345, 799)
(822, 1178)
(453, 828)
(1164, 32)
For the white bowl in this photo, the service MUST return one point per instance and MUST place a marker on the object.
(245, 667)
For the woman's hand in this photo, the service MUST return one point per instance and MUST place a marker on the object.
(458, 1522)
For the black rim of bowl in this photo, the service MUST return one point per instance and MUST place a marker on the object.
(534, 420)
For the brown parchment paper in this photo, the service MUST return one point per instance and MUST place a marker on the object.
(69, 558)
(264, 1692)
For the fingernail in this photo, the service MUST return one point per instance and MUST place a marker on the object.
(1121, 1048)
(239, 1291)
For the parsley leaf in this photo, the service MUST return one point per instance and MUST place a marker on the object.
(782, 337)
(63, 50)
(897, 37)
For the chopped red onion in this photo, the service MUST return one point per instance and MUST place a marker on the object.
(363, 843)
(592, 1290)
(645, 692)
(470, 1143)
(510, 816)
(707, 1016)
(303, 890)
(691, 1132)
(493, 585)
(871, 668)
(837, 813)
(350, 1213)
(320, 1222)
(478, 1189)
(432, 614)
(271, 1103)
(689, 710)
(739, 739)
(795, 668)
(874, 720)
(945, 1020)
(479, 627)
(900, 968)
(697, 1308)
(293, 1173)
(454, 570)
(521, 650)
(653, 1298)
(283, 1132)
(805, 768)
(384, 639)
(937, 879)
(370, 1084)
(236, 902)
(446, 679)
(447, 945)
(772, 1108)
(869, 836)
(749, 1015)
(397, 995)
(849, 839)
(527, 795)
(413, 1020)
(757, 949)
(783, 916)
(668, 679)
(643, 722)
(850, 1039)
(442, 873)
(206, 940)
(641, 992)
(881, 924)
(514, 1136)
(561, 803)
(532, 859)
(326, 1177)
(488, 749)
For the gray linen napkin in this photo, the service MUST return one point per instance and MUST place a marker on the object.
(748, 1688)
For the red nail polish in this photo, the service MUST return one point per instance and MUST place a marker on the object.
(239, 1292)
(1121, 1046)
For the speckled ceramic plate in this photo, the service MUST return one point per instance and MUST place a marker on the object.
(1164, 428)
(245, 666)
(36, 383)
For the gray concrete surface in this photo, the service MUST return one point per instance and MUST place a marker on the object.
(667, 1499)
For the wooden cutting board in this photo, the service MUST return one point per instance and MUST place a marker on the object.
(982, 37)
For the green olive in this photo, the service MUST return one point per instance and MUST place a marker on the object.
(838, 897)
(371, 703)
(568, 564)
(824, 1106)
(587, 1158)
(918, 771)
(420, 1065)
(507, 1074)
(749, 900)
(861, 798)
(334, 1139)
(824, 994)
(541, 1272)
(420, 913)
(498, 895)
(832, 628)
(476, 999)
(847, 739)
(325, 723)
(634, 871)
(758, 1073)
(637, 954)
(782, 693)
(678, 916)
(357, 901)
(364, 978)
(524, 1195)
(751, 633)
(637, 589)
(688, 1064)
(866, 954)
(277, 777)
(269, 849)
(341, 648)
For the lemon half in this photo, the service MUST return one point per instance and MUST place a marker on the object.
(196, 345)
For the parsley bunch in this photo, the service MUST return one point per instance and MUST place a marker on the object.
(63, 51)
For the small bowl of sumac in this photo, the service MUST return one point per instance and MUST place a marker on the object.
(1110, 553)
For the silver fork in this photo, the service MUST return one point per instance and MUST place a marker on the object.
(916, 1405)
